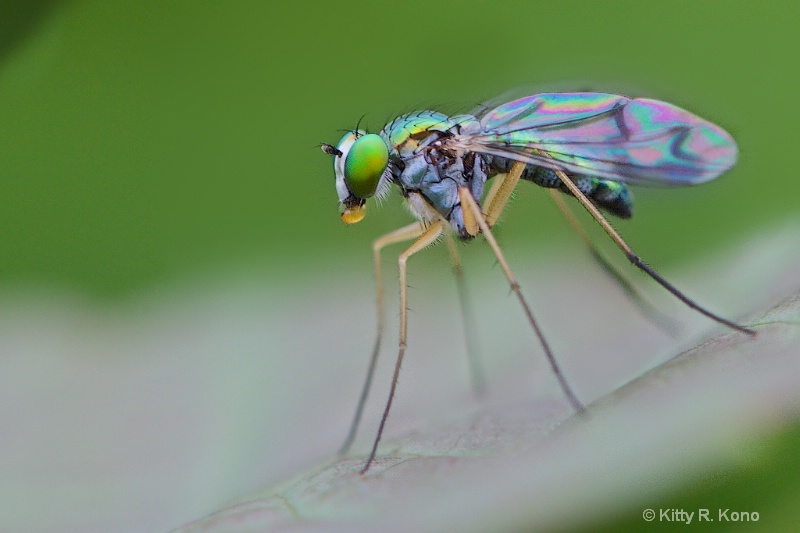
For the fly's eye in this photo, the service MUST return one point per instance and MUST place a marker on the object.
(364, 165)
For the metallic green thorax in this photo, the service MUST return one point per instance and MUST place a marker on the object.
(404, 132)
(421, 168)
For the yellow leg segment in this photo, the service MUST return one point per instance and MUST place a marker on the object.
(412, 231)
(500, 193)
(428, 237)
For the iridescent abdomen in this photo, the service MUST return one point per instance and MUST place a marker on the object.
(612, 196)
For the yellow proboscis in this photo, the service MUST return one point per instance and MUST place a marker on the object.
(353, 215)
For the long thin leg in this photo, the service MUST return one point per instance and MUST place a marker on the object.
(633, 258)
(412, 231)
(470, 203)
(646, 308)
(427, 238)
(500, 194)
(467, 319)
(497, 183)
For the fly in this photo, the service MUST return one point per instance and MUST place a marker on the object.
(591, 146)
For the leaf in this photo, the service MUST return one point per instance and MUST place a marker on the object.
(144, 415)
(531, 464)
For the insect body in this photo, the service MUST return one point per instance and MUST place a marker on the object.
(588, 145)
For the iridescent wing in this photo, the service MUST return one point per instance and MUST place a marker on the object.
(638, 141)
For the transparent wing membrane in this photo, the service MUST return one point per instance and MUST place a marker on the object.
(637, 141)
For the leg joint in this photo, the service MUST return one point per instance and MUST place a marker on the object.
(635, 259)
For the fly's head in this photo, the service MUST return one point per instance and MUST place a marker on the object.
(360, 162)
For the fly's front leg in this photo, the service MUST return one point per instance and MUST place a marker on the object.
(428, 237)
(406, 233)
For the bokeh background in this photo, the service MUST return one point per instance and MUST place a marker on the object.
(143, 140)
(144, 143)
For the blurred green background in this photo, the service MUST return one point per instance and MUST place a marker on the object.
(144, 140)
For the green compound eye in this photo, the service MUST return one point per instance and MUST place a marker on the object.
(365, 163)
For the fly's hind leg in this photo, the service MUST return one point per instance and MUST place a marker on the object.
(646, 308)
(636, 260)
(500, 193)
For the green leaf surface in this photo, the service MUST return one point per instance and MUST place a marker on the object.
(533, 466)
(220, 404)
